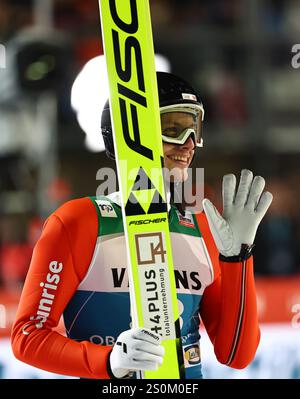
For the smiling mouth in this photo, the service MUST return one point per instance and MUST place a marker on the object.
(179, 159)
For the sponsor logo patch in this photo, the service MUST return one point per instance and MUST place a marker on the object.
(192, 355)
(106, 209)
(188, 96)
(186, 219)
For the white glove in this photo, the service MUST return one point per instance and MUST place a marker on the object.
(242, 212)
(136, 349)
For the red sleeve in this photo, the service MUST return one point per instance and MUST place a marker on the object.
(228, 307)
(60, 260)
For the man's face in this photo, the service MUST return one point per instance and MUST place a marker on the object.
(177, 157)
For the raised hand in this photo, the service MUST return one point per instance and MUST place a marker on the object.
(242, 212)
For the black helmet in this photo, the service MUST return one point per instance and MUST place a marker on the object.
(172, 91)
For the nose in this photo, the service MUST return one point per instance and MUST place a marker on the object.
(189, 144)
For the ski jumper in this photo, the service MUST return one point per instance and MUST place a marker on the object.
(78, 270)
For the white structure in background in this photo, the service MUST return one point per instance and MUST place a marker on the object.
(277, 357)
(11, 368)
(2, 56)
(89, 93)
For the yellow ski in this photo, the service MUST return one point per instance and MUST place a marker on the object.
(128, 44)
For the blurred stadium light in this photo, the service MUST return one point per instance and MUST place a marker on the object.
(36, 70)
(36, 65)
(35, 62)
(89, 93)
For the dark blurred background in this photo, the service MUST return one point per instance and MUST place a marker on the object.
(236, 53)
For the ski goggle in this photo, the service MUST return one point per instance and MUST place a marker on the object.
(180, 121)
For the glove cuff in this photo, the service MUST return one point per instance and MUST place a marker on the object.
(108, 368)
(111, 374)
(246, 252)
